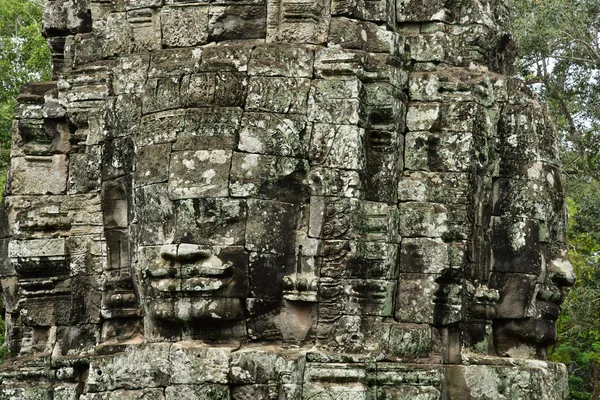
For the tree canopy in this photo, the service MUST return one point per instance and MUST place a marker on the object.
(559, 48)
(24, 57)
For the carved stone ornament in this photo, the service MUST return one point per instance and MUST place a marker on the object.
(282, 200)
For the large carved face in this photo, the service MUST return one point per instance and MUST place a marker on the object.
(261, 178)
(529, 262)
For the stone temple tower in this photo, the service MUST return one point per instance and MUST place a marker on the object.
(281, 200)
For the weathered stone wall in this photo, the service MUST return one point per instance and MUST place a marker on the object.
(282, 199)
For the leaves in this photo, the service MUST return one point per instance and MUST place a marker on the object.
(559, 47)
(579, 328)
(24, 57)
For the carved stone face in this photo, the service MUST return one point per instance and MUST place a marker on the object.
(530, 266)
(263, 184)
(308, 171)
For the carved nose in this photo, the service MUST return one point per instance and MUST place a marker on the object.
(561, 270)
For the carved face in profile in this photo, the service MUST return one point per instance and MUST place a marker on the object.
(529, 262)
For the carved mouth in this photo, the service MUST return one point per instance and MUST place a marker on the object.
(192, 270)
(548, 301)
(198, 285)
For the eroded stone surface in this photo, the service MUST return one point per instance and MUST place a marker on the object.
(281, 200)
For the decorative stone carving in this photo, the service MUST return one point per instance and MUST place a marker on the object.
(282, 200)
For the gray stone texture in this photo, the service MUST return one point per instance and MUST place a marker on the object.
(281, 199)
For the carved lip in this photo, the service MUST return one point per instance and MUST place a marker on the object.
(551, 293)
(548, 300)
(193, 270)
(199, 285)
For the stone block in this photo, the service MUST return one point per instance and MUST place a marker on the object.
(66, 17)
(335, 62)
(145, 28)
(211, 221)
(202, 173)
(266, 273)
(490, 381)
(150, 164)
(338, 146)
(237, 21)
(37, 248)
(335, 102)
(256, 366)
(284, 135)
(210, 129)
(39, 175)
(524, 198)
(346, 218)
(421, 11)
(88, 176)
(184, 26)
(360, 297)
(360, 35)
(198, 365)
(294, 22)
(411, 342)
(516, 246)
(358, 259)
(281, 60)
(422, 116)
(435, 187)
(428, 48)
(250, 392)
(174, 62)
(384, 165)
(417, 219)
(145, 394)
(222, 89)
(117, 158)
(335, 182)
(139, 367)
(466, 117)
(130, 74)
(197, 392)
(227, 58)
(342, 380)
(27, 393)
(423, 255)
(271, 227)
(155, 214)
(380, 11)
(516, 294)
(268, 177)
(278, 94)
(439, 152)
(162, 94)
(415, 299)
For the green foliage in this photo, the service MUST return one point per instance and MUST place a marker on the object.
(559, 48)
(579, 324)
(24, 57)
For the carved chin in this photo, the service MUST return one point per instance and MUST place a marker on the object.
(510, 334)
(188, 310)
